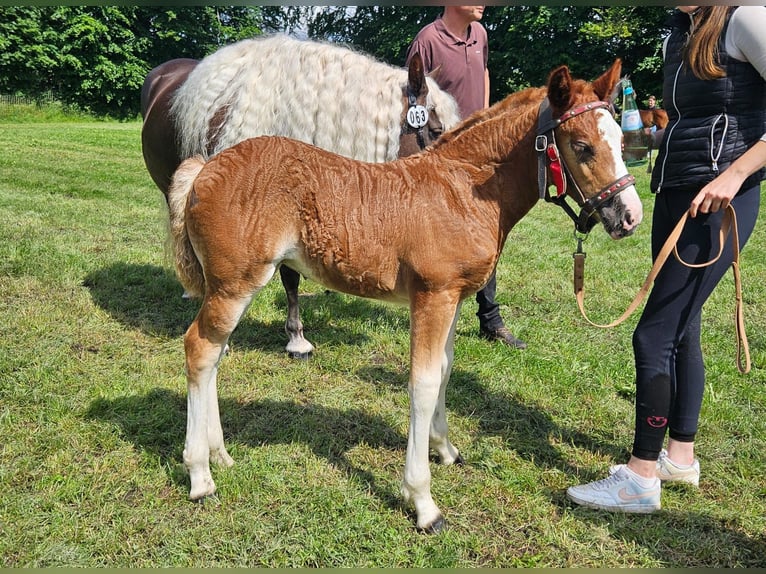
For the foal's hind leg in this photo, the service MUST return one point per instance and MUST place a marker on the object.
(297, 347)
(204, 344)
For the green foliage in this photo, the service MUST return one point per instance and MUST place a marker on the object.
(96, 57)
(526, 42)
(383, 31)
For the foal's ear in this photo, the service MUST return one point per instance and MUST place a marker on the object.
(605, 84)
(416, 76)
(560, 88)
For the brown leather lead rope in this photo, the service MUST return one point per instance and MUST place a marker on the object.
(729, 224)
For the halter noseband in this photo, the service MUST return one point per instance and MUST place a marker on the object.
(549, 157)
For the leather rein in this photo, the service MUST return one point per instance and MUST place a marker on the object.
(728, 229)
(549, 158)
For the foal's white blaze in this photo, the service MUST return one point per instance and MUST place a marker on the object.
(612, 133)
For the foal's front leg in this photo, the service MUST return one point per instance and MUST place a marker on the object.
(218, 453)
(439, 440)
(297, 346)
(432, 316)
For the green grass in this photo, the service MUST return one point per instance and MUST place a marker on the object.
(92, 397)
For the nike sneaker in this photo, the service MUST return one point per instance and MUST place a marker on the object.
(622, 491)
(669, 471)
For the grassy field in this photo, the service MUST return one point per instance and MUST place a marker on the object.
(92, 399)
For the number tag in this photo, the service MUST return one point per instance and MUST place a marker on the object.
(417, 116)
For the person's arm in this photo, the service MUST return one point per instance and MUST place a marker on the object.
(719, 192)
(745, 39)
(486, 88)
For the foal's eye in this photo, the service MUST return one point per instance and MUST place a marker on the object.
(583, 152)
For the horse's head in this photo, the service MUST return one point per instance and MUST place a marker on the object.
(580, 143)
(421, 122)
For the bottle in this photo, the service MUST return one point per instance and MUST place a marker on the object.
(635, 147)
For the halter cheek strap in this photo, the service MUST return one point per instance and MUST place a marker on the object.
(549, 159)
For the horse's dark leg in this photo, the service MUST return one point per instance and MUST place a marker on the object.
(297, 347)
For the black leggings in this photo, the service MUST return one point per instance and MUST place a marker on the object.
(670, 373)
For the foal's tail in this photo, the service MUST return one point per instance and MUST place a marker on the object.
(188, 267)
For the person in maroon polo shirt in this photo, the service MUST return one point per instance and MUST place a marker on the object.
(456, 43)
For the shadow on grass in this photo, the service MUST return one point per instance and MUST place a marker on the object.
(148, 297)
(156, 422)
(525, 428)
(701, 541)
(698, 540)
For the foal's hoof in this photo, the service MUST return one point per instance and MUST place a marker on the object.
(300, 356)
(435, 527)
(208, 499)
(460, 461)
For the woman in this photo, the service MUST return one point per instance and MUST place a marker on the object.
(712, 154)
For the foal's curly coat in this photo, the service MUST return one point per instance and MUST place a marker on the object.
(426, 231)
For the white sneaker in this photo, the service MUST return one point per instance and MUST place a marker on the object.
(669, 471)
(619, 492)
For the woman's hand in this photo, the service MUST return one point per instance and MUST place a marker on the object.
(718, 193)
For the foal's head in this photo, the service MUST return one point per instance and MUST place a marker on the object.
(421, 124)
(590, 143)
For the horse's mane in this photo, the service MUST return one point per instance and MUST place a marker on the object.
(317, 92)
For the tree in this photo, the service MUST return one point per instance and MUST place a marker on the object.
(96, 57)
(383, 31)
(192, 32)
(526, 42)
(28, 59)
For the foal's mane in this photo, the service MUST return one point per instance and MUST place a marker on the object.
(516, 107)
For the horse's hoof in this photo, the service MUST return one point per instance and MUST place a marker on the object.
(300, 356)
(435, 527)
(460, 461)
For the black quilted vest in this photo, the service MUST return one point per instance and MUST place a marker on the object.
(711, 122)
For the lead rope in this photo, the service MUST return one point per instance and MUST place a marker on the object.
(729, 224)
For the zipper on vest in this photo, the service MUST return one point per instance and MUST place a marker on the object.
(714, 155)
(670, 129)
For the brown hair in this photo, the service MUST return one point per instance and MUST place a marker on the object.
(701, 51)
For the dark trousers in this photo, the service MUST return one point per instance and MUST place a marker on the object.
(489, 309)
(670, 374)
